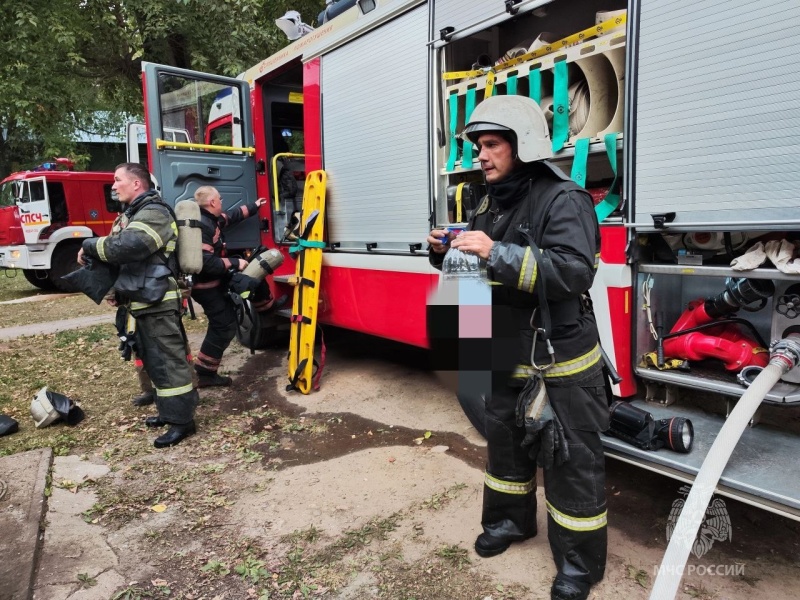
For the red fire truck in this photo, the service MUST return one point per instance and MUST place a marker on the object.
(44, 215)
(663, 111)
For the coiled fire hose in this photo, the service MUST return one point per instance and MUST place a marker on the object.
(784, 355)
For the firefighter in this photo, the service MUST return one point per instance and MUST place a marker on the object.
(142, 242)
(211, 284)
(526, 194)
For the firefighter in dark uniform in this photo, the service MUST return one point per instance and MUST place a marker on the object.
(527, 194)
(211, 284)
(142, 243)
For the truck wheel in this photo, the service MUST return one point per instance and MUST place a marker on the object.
(39, 278)
(64, 262)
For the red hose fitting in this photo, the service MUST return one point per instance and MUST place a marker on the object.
(726, 342)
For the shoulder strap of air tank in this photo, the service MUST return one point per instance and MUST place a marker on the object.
(160, 253)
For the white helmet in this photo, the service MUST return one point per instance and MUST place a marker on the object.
(516, 114)
(42, 410)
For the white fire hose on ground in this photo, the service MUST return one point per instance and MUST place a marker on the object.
(785, 354)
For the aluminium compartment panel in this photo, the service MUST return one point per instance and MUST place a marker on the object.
(463, 13)
(717, 112)
(375, 136)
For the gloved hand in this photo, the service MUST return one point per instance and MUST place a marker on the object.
(552, 448)
(753, 258)
(243, 285)
(127, 339)
(544, 434)
(782, 253)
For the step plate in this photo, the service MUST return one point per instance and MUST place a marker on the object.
(763, 470)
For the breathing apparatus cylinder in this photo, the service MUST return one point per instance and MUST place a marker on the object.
(190, 236)
(264, 264)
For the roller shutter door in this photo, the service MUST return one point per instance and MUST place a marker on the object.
(375, 136)
(718, 112)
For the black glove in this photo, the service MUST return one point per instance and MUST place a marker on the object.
(127, 339)
(8, 425)
(552, 448)
(243, 285)
(544, 434)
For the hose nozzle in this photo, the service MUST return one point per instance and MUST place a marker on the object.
(740, 293)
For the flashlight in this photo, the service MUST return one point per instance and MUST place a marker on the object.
(640, 428)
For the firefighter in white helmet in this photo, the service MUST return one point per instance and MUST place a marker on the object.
(531, 204)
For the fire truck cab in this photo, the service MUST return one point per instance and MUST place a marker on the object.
(45, 213)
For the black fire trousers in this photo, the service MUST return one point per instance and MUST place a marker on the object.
(221, 314)
(574, 491)
(161, 346)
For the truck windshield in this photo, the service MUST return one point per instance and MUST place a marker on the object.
(9, 192)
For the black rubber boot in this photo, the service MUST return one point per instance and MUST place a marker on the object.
(565, 588)
(488, 545)
(175, 435)
(144, 399)
(506, 518)
(212, 380)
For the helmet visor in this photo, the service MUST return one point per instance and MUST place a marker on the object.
(473, 131)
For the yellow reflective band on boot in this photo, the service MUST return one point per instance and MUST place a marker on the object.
(508, 487)
(578, 523)
(167, 392)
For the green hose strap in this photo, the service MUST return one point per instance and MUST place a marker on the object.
(535, 85)
(560, 105)
(611, 201)
(511, 85)
(468, 147)
(302, 244)
(578, 173)
(453, 105)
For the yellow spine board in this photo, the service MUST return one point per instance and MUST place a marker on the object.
(306, 297)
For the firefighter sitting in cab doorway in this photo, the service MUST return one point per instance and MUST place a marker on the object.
(142, 243)
(529, 202)
(211, 284)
